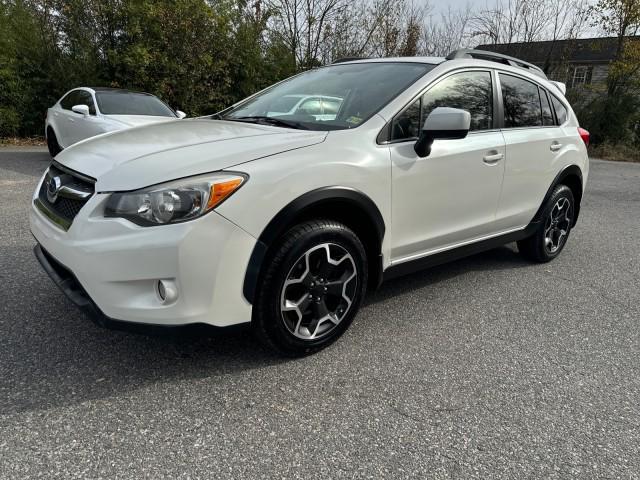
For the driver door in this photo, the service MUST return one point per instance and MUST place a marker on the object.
(450, 197)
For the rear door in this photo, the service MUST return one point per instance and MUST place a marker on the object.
(450, 197)
(533, 143)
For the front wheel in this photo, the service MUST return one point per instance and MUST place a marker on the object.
(311, 289)
(52, 143)
(552, 233)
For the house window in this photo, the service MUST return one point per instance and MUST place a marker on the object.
(580, 75)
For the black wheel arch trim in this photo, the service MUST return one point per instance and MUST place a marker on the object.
(285, 217)
(563, 174)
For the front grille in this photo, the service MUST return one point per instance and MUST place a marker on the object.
(72, 194)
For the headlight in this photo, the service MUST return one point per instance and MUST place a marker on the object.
(176, 201)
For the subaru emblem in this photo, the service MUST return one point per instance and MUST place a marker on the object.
(53, 187)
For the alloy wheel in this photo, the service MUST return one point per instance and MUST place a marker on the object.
(557, 225)
(319, 291)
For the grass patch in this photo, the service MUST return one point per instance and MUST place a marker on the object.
(615, 152)
(23, 142)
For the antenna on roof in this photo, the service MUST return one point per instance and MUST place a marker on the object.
(496, 57)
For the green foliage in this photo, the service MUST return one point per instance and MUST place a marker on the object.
(612, 115)
(198, 56)
(611, 119)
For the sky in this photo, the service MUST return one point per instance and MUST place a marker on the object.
(441, 6)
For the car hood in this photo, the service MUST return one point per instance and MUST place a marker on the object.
(137, 120)
(152, 154)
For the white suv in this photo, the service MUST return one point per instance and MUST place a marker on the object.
(284, 221)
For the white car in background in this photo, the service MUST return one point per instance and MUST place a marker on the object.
(86, 112)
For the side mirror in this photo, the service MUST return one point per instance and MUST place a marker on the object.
(442, 124)
(81, 109)
(181, 114)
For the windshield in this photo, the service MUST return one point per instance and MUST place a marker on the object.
(130, 103)
(330, 98)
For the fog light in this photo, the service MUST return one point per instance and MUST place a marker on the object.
(167, 291)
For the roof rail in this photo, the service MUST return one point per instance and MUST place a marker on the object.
(348, 59)
(496, 57)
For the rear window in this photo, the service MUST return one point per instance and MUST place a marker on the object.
(129, 103)
(521, 102)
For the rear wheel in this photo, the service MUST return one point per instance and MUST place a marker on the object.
(552, 234)
(311, 289)
(52, 143)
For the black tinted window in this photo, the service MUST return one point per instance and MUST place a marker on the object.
(547, 114)
(561, 112)
(84, 98)
(130, 103)
(521, 102)
(69, 100)
(469, 91)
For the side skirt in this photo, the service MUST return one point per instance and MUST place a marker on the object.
(429, 261)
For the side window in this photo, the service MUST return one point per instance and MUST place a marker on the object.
(521, 102)
(85, 98)
(561, 111)
(547, 114)
(469, 91)
(69, 100)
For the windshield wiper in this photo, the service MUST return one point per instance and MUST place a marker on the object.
(276, 122)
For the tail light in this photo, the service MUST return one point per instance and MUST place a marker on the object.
(584, 135)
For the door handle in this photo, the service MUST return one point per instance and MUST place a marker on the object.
(555, 146)
(492, 158)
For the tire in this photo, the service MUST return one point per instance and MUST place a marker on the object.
(553, 232)
(304, 302)
(52, 143)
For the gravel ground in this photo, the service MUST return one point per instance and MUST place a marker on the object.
(489, 367)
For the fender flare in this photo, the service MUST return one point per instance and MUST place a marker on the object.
(285, 217)
(564, 173)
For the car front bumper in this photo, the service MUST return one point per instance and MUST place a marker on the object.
(110, 267)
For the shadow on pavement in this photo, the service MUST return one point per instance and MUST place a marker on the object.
(52, 355)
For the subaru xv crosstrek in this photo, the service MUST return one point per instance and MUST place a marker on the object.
(286, 220)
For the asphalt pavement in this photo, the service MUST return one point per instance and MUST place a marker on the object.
(489, 367)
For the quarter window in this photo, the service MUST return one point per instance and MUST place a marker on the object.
(561, 111)
(547, 114)
(521, 101)
(469, 91)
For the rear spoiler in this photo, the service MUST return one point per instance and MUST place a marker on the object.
(560, 86)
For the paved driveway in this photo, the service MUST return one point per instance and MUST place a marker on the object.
(487, 367)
